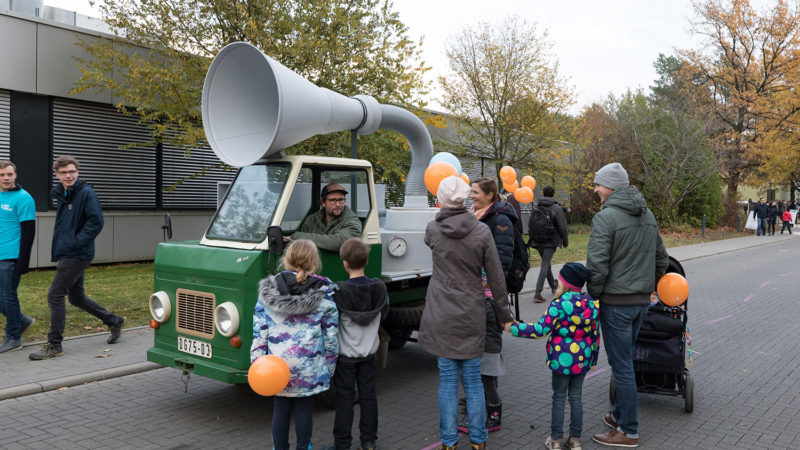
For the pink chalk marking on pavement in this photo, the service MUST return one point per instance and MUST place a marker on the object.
(710, 322)
(748, 298)
(431, 447)
(786, 274)
(594, 373)
(764, 283)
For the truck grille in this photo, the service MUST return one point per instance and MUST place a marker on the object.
(195, 313)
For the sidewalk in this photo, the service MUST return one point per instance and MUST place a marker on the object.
(88, 358)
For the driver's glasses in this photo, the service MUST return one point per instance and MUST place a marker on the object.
(336, 200)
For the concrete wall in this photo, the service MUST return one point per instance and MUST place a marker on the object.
(126, 236)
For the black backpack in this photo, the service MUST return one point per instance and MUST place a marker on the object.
(540, 226)
(520, 264)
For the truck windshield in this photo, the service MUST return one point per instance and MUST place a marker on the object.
(247, 210)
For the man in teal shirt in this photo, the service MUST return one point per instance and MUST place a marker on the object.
(17, 229)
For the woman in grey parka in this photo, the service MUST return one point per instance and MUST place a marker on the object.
(454, 322)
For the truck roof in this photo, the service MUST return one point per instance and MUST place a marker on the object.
(321, 160)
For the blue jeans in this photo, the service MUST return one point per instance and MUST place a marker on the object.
(561, 385)
(9, 301)
(470, 370)
(620, 327)
(762, 227)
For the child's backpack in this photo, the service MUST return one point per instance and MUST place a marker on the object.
(520, 264)
(540, 226)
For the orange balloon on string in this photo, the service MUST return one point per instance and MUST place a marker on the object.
(511, 187)
(528, 182)
(508, 174)
(268, 375)
(437, 172)
(673, 289)
(465, 177)
(524, 195)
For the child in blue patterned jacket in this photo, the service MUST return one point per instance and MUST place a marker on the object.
(572, 349)
(296, 319)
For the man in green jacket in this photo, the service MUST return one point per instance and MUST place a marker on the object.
(333, 224)
(625, 257)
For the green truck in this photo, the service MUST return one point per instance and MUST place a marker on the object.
(206, 290)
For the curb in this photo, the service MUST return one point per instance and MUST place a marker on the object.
(76, 380)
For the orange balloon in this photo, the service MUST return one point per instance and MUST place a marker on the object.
(673, 289)
(524, 195)
(511, 187)
(528, 182)
(508, 174)
(437, 172)
(268, 375)
(465, 177)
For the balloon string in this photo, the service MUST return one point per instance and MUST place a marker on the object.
(689, 349)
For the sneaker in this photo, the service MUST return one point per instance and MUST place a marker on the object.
(481, 446)
(573, 443)
(116, 331)
(10, 345)
(538, 298)
(608, 419)
(551, 443)
(367, 446)
(615, 438)
(48, 351)
(27, 321)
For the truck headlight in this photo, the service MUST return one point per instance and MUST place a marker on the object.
(226, 319)
(160, 307)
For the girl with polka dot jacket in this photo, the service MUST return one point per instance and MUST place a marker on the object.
(572, 348)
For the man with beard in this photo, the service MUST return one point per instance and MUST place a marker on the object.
(333, 224)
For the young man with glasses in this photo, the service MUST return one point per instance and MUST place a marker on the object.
(17, 229)
(79, 219)
(333, 224)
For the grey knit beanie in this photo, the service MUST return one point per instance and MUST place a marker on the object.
(612, 176)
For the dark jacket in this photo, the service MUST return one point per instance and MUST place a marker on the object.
(363, 304)
(511, 200)
(454, 321)
(494, 329)
(500, 219)
(772, 213)
(329, 236)
(625, 254)
(79, 219)
(761, 211)
(561, 235)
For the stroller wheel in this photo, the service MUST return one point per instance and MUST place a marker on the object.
(688, 392)
(612, 389)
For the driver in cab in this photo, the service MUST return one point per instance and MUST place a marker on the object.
(333, 224)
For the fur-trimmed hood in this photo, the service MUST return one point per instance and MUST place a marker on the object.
(282, 293)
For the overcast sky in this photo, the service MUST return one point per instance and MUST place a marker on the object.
(602, 46)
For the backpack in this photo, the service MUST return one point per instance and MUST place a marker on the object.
(520, 264)
(540, 226)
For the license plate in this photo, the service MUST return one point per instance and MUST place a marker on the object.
(194, 347)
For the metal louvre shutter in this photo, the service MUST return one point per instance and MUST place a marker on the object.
(196, 193)
(5, 125)
(93, 133)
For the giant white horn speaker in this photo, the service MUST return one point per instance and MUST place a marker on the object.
(253, 106)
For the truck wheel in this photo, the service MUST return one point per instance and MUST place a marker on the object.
(398, 335)
(402, 321)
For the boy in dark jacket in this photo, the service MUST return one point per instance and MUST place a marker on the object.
(79, 219)
(363, 303)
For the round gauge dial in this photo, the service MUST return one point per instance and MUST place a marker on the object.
(397, 246)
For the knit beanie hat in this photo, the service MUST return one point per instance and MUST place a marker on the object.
(573, 276)
(612, 176)
(452, 192)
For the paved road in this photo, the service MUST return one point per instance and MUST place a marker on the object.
(743, 315)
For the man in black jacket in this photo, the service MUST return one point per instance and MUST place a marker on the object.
(79, 219)
(761, 210)
(546, 242)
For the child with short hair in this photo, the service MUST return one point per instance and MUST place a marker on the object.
(786, 217)
(295, 318)
(572, 349)
(363, 304)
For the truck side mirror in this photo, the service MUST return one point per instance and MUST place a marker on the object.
(167, 227)
(275, 240)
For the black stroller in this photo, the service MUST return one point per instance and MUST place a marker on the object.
(659, 357)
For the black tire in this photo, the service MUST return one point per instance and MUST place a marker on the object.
(612, 390)
(402, 321)
(398, 335)
(688, 392)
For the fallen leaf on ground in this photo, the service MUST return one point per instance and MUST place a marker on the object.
(105, 355)
(87, 328)
(62, 388)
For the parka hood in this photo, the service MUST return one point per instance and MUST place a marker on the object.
(361, 302)
(502, 208)
(282, 293)
(456, 223)
(628, 199)
(546, 201)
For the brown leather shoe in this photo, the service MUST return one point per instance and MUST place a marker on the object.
(538, 299)
(615, 438)
(608, 419)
